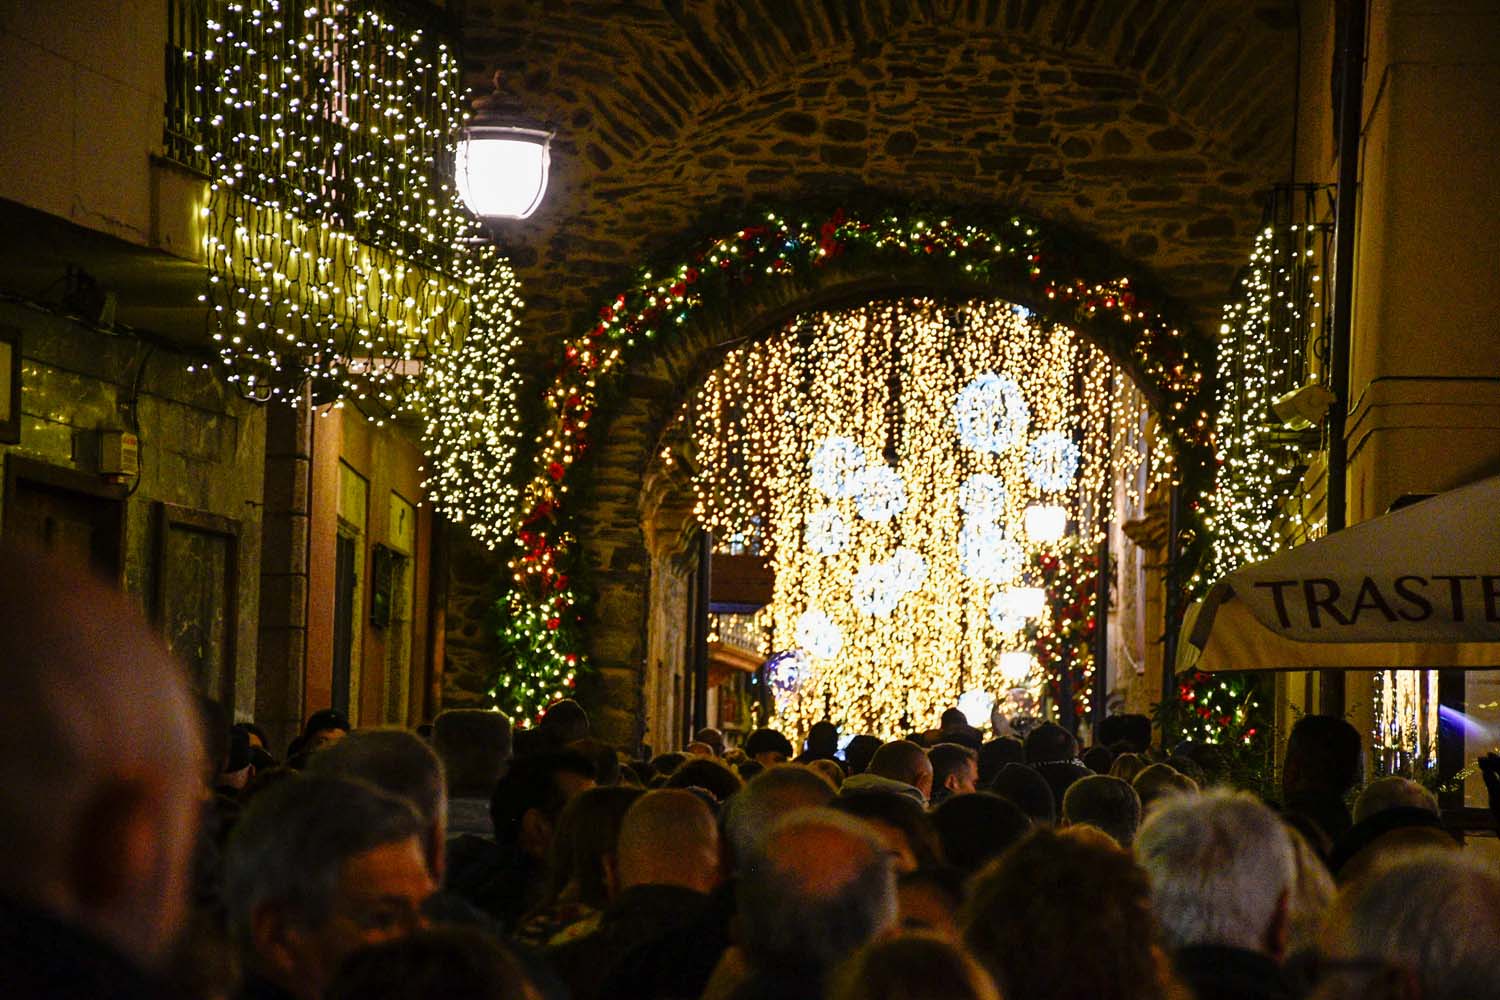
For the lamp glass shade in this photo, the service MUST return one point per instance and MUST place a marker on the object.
(1027, 602)
(976, 705)
(501, 171)
(1046, 522)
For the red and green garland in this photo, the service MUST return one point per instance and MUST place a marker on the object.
(1064, 646)
(541, 619)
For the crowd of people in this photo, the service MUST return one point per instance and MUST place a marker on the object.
(154, 849)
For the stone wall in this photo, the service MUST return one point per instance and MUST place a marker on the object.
(201, 447)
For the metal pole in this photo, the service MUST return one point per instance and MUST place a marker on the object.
(700, 636)
(1172, 612)
(1351, 114)
(1101, 633)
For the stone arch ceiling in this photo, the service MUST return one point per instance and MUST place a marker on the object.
(1150, 125)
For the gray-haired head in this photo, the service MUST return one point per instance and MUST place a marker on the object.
(1222, 869)
(1434, 913)
(818, 886)
(1106, 803)
(1383, 794)
(287, 848)
(474, 745)
(751, 813)
(399, 762)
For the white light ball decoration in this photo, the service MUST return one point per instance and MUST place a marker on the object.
(1052, 461)
(786, 671)
(818, 635)
(992, 414)
(982, 496)
(908, 570)
(1012, 607)
(1016, 667)
(976, 704)
(1003, 613)
(875, 591)
(1046, 522)
(836, 467)
(827, 532)
(985, 553)
(882, 493)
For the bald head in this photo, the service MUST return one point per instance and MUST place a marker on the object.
(769, 796)
(669, 837)
(903, 760)
(102, 760)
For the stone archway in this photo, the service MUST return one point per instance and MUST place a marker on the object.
(639, 396)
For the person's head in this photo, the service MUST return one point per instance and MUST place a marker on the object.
(913, 967)
(830, 769)
(697, 749)
(765, 799)
(317, 867)
(528, 800)
(1064, 914)
(903, 825)
(1323, 757)
(903, 760)
(1131, 733)
(564, 722)
(859, 751)
(768, 747)
(474, 745)
(713, 737)
(974, 829)
(1028, 791)
(710, 774)
(996, 754)
(666, 764)
(401, 763)
(324, 727)
(1098, 759)
(818, 886)
(1432, 915)
(1104, 803)
(929, 899)
(955, 769)
(954, 718)
(1161, 781)
(441, 962)
(583, 866)
(823, 739)
(1127, 765)
(1049, 742)
(1384, 794)
(1223, 870)
(669, 837)
(104, 762)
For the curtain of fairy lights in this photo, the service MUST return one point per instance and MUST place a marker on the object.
(884, 459)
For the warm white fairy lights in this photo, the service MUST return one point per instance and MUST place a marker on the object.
(894, 613)
(340, 258)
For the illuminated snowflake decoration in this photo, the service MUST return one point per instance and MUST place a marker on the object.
(875, 590)
(985, 553)
(882, 493)
(827, 532)
(908, 569)
(818, 635)
(1004, 615)
(1052, 461)
(786, 671)
(992, 414)
(837, 465)
(982, 497)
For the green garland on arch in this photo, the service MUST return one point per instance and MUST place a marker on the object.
(541, 620)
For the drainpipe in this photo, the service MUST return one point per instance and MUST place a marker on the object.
(1351, 116)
